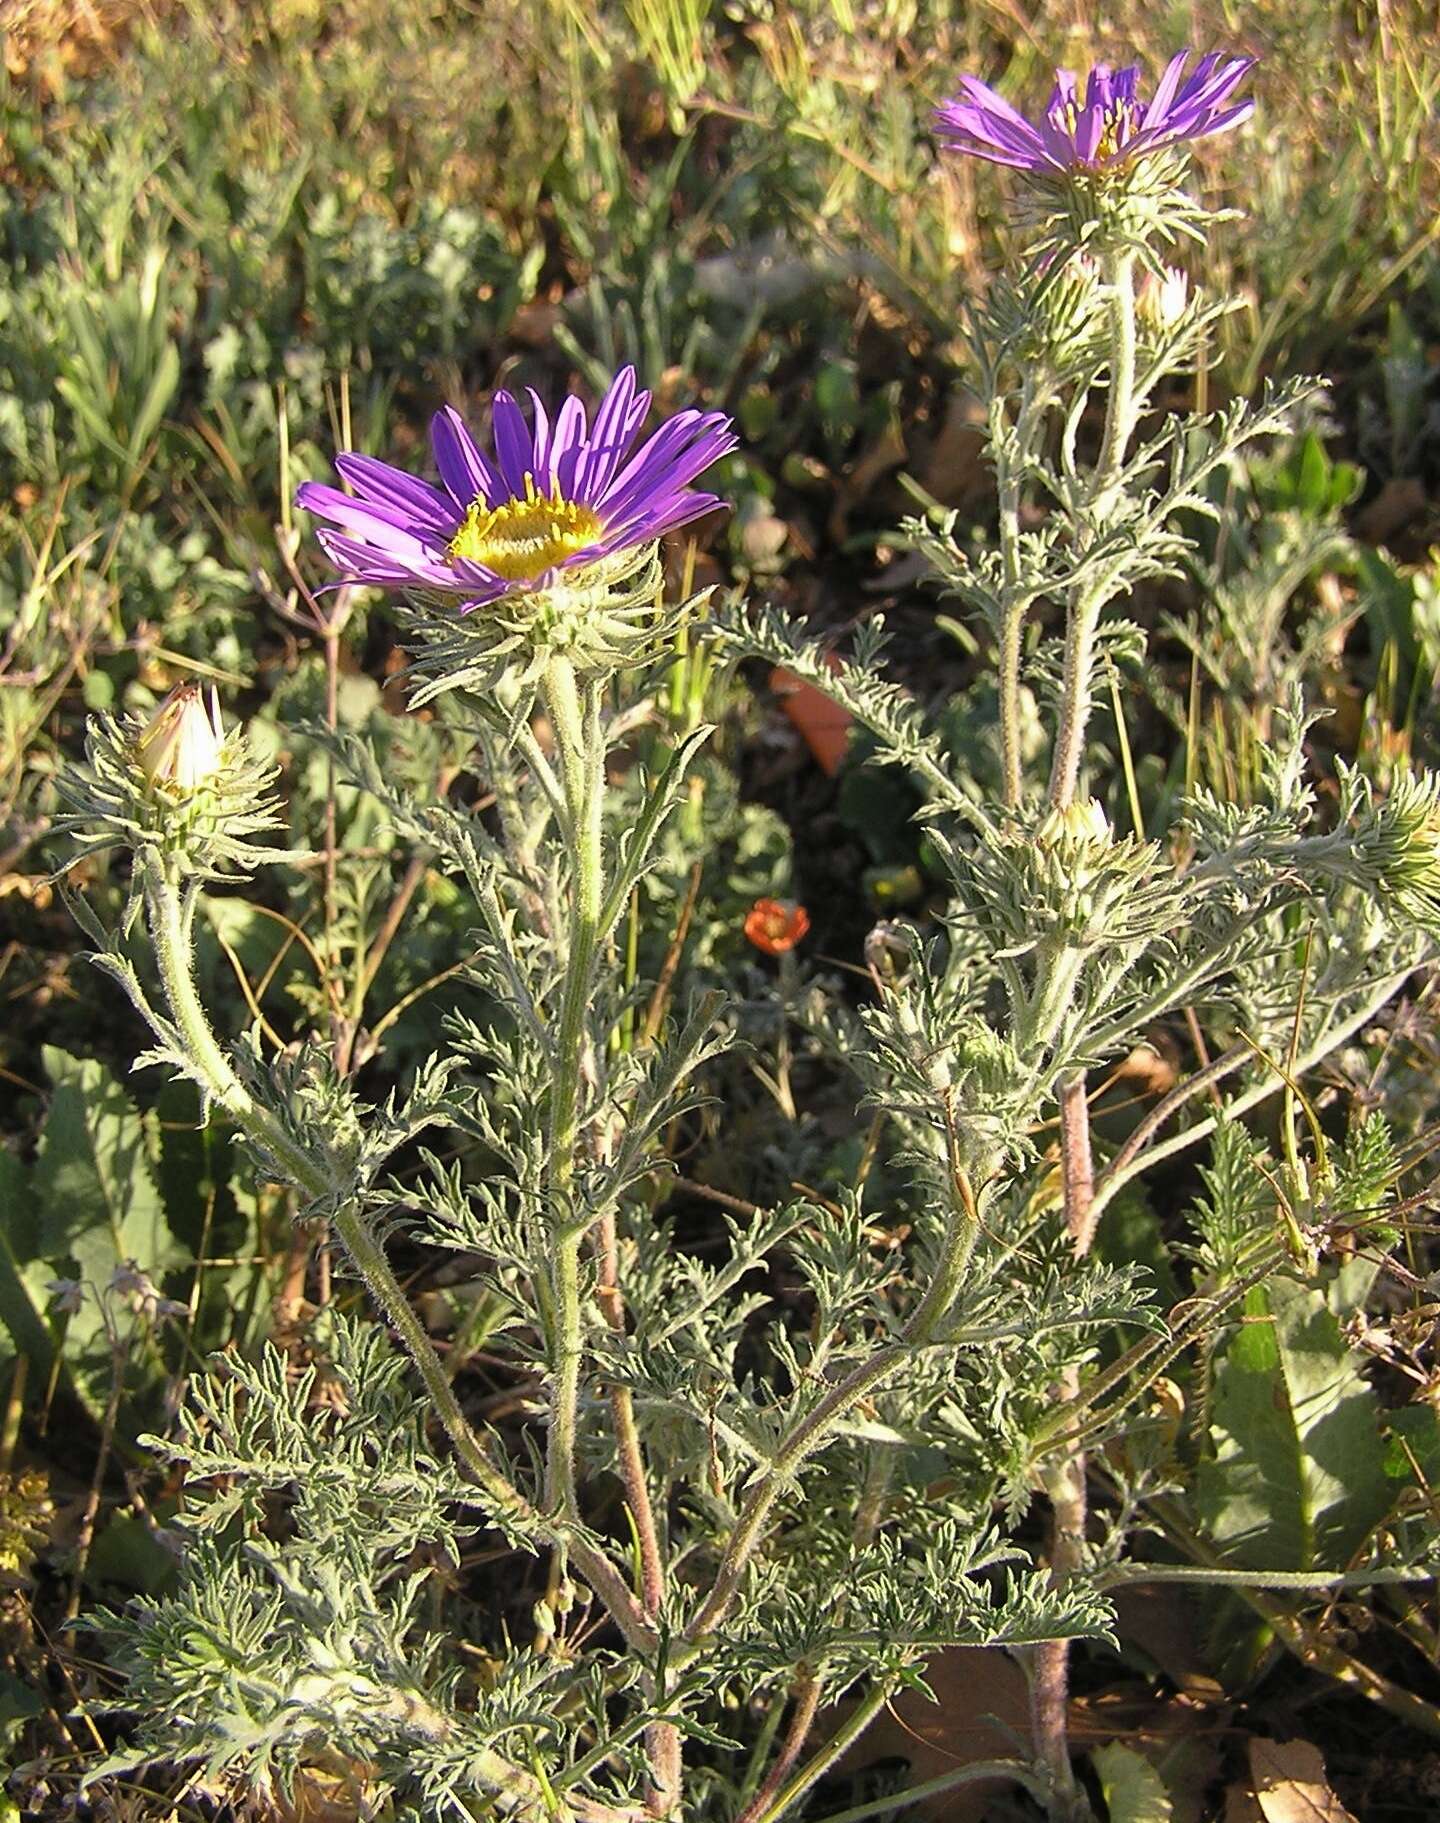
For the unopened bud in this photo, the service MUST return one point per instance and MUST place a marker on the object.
(1162, 301)
(1082, 820)
(181, 744)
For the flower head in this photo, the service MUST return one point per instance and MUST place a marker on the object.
(554, 497)
(776, 925)
(176, 785)
(182, 744)
(1105, 125)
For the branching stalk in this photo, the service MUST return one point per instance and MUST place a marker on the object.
(819, 1423)
(170, 912)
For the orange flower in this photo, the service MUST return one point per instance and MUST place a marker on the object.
(776, 925)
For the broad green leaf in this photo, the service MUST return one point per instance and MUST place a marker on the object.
(1298, 1477)
(213, 1206)
(1312, 477)
(95, 1194)
(128, 1553)
(96, 1205)
(1134, 1791)
(1131, 1233)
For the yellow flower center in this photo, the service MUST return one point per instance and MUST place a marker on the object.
(522, 538)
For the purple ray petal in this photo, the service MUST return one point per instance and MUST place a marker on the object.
(1165, 89)
(540, 458)
(396, 531)
(392, 487)
(514, 446)
(367, 563)
(380, 525)
(467, 475)
(607, 437)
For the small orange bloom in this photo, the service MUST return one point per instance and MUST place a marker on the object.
(776, 925)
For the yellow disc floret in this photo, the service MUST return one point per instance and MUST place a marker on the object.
(519, 539)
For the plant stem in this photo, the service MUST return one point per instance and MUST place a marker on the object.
(850, 1730)
(1065, 1485)
(1115, 1177)
(1010, 477)
(1122, 404)
(1306, 1641)
(582, 765)
(662, 1739)
(85, 1536)
(1077, 1165)
(170, 912)
(972, 1774)
(807, 1701)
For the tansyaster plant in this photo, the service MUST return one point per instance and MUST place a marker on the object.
(1105, 125)
(555, 497)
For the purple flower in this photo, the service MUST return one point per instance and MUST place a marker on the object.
(1111, 126)
(554, 495)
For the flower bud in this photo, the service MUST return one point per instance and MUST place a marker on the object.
(1161, 302)
(180, 746)
(1082, 820)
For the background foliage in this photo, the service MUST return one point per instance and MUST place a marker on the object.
(236, 236)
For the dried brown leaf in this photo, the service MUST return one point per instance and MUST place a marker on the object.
(1290, 1783)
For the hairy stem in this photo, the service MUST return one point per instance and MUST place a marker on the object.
(1115, 1177)
(580, 747)
(977, 1772)
(849, 1731)
(582, 765)
(1121, 410)
(1077, 1164)
(807, 1701)
(1065, 1484)
(1010, 477)
(662, 1739)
